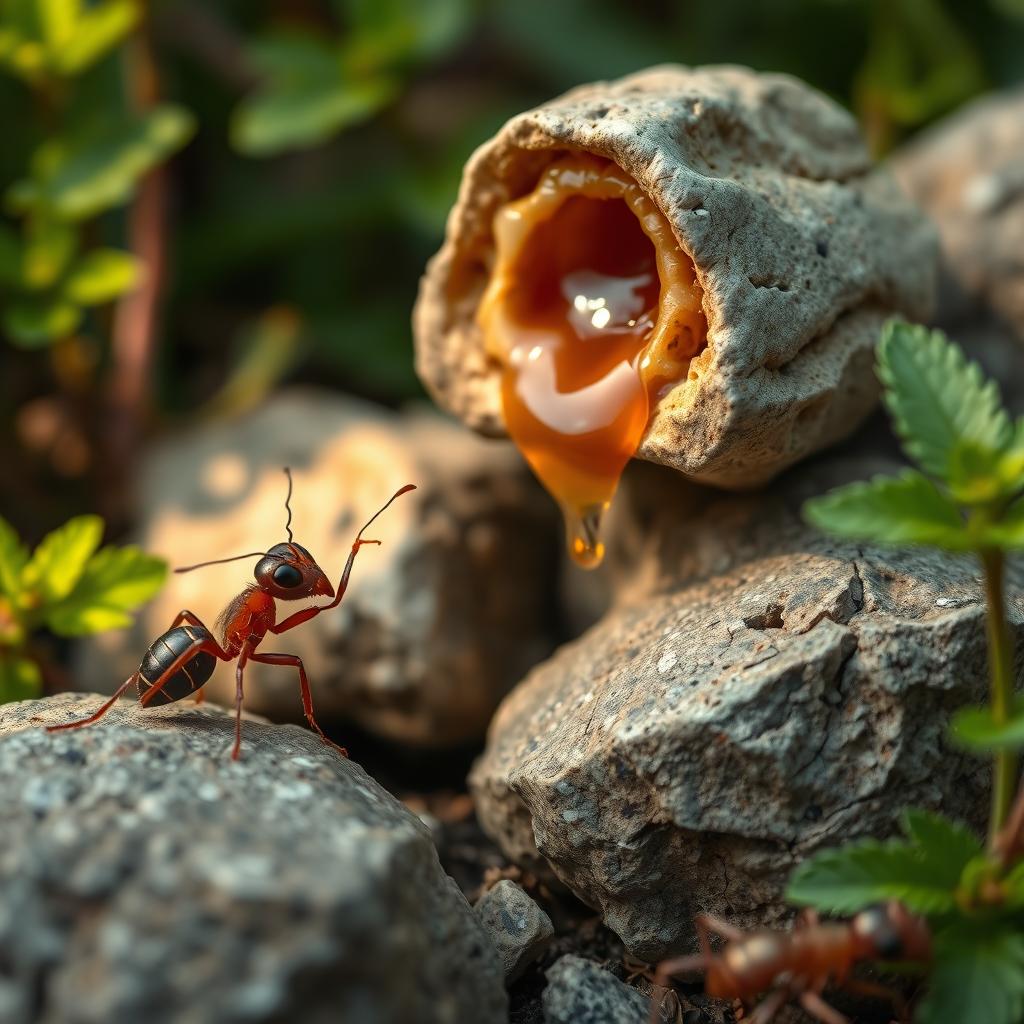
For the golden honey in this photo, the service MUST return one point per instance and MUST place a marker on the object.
(592, 309)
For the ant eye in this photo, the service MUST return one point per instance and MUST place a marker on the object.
(287, 576)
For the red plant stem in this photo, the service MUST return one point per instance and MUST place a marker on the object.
(135, 318)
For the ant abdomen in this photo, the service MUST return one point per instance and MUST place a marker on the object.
(162, 654)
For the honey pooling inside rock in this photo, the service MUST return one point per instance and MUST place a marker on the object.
(592, 310)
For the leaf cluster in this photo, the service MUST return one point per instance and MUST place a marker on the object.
(47, 280)
(969, 492)
(69, 585)
(312, 87)
(976, 911)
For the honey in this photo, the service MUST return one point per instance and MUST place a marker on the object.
(592, 310)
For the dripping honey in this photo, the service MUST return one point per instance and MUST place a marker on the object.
(592, 309)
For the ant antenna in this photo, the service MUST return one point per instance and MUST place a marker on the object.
(288, 503)
(221, 561)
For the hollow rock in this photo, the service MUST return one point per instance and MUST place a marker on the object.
(145, 876)
(755, 692)
(438, 623)
(801, 249)
(968, 174)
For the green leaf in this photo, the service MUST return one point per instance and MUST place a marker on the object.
(13, 559)
(20, 678)
(34, 324)
(50, 244)
(937, 398)
(59, 561)
(115, 582)
(102, 275)
(1009, 531)
(908, 509)
(83, 174)
(952, 840)
(98, 28)
(923, 873)
(977, 976)
(389, 32)
(305, 99)
(976, 729)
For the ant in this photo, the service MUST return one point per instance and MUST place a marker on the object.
(798, 964)
(181, 661)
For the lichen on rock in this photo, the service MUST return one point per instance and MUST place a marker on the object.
(145, 876)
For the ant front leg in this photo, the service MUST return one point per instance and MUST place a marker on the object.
(307, 693)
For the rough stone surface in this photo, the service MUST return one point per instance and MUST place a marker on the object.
(519, 929)
(581, 992)
(755, 692)
(144, 876)
(801, 248)
(968, 174)
(438, 623)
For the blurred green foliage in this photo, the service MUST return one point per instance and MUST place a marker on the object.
(312, 150)
(68, 586)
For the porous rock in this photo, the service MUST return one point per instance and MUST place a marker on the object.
(755, 692)
(801, 247)
(967, 172)
(519, 929)
(438, 623)
(581, 992)
(145, 876)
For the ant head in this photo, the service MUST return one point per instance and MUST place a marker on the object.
(888, 931)
(289, 571)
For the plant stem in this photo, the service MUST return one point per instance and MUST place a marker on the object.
(1000, 667)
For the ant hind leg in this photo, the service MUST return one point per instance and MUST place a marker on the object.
(820, 1010)
(102, 710)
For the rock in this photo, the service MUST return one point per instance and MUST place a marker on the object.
(755, 692)
(801, 248)
(438, 623)
(519, 929)
(581, 992)
(145, 876)
(968, 173)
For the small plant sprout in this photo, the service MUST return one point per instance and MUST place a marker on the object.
(966, 496)
(69, 587)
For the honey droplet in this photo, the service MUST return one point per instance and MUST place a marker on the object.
(592, 308)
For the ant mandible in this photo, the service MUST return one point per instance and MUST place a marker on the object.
(180, 662)
(784, 966)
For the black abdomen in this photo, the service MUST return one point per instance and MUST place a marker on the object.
(162, 654)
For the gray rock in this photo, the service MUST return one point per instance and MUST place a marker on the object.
(581, 992)
(518, 927)
(438, 623)
(755, 692)
(968, 173)
(145, 876)
(801, 248)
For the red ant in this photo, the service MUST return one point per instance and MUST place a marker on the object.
(798, 964)
(180, 662)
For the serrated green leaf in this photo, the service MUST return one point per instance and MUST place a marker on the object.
(101, 276)
(97, 167)
(976, 729)
(951, 841)
(937, 398)
(115, 582)
(20, 678)
(35, 324)
(59, 561)
(923, 872)
(904, 510)
(846, 880)
(98, 28)
(977, 976)
(13, 559)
